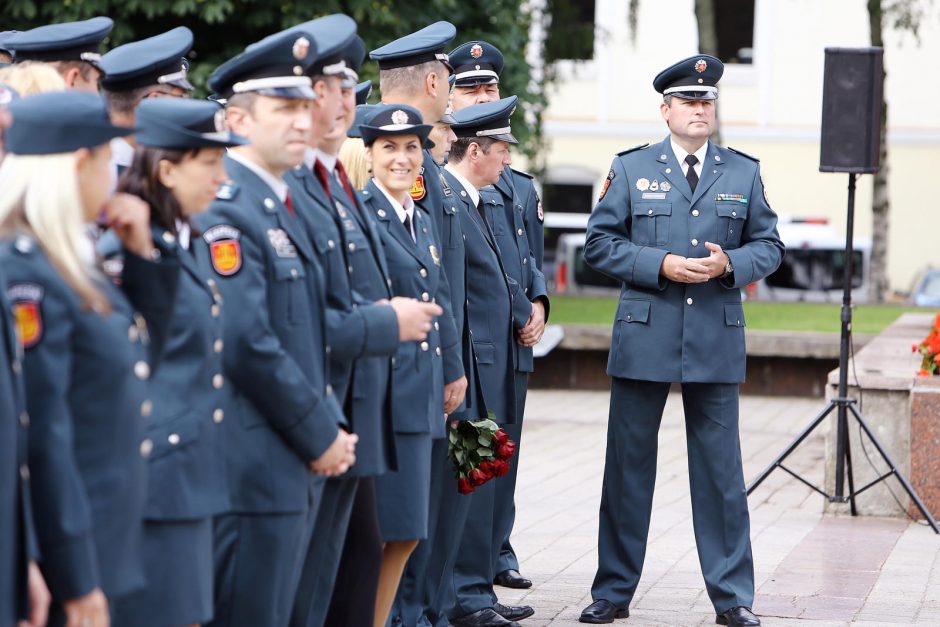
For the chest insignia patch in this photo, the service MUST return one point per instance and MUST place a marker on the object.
(654, 186)
(642, 184)
(224, 249)
(280, 240)
(417, 188)
(27, 312)
(436, 256)
(665, 186)
(741, 198)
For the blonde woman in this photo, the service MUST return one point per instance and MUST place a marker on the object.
(32, 77)
(86, 348)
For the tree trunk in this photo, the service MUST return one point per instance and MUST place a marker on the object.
(708, 44)
(880, 200)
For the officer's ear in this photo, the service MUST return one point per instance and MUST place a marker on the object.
(166, 174)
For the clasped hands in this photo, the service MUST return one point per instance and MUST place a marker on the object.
(695, 270)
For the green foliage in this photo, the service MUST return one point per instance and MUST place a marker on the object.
(223, 28)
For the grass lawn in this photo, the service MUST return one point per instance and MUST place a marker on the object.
(765, 316)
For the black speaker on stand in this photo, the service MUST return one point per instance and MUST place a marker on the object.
(850, 142)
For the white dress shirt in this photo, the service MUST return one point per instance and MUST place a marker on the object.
(408, 209)
(681, 154)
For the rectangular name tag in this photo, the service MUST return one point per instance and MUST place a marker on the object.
(654, 196)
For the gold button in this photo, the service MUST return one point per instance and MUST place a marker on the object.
(423, 272)
(688, 301)
(217, 381)
(217, 346)
(145, 447)
(218, 416)
(173, 438)
(24, 472)
(133, 334)
(425, 346)
(146, 408)
(694, 242)
(24, 419)
(142, 370)
(695, 213)
(215, 310)
(425, 297)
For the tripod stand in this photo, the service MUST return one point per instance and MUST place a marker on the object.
(843, 406)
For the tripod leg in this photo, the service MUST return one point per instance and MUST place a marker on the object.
(848, 470)
(799, 439)
(897, 473)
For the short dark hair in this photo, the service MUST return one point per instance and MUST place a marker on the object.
(142, 179)
(124, 102)
(458, 150)
(245, 100)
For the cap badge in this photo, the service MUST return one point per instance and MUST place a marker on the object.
(399, 117)
(301, 48)
(700, 65)
(476, 51)
(219, 121)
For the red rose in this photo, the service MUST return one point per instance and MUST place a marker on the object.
(501, 467)
(500, 438)
(464, 486)
(506, 451)
(486, 467)
(477, 477)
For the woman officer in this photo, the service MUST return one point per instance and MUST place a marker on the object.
(177, 169)
(394, 136)
(86, 359)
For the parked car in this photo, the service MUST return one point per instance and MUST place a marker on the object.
(572, 273)
(926, 292)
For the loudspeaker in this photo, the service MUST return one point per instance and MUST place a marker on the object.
(851, 111)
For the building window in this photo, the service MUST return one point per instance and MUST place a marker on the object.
(734, 28)
(571, 33)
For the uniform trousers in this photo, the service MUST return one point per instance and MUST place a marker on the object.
(473, 572)
(504, 515)
(318, 574)
(258, 561)
(357, 581)
(719, 500)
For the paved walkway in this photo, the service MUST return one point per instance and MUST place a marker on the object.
(810, 569)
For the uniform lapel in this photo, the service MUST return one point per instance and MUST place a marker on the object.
(711, 172)
(669, 169)
(388, 219)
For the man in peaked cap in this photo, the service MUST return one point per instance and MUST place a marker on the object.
(148, 68)
(516, 212)
(363, 334)
(684, 224)
(71, 47)
(287, 434)
(477, 159)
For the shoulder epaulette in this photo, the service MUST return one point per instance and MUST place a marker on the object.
(521, 173)
(634, 149)
(743, 154)
(227, 191)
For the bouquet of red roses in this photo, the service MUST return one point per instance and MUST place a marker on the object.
(480, 451)
(929, 349)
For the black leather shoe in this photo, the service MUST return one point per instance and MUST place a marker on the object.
(486, 617)
(601, 612)
(512, 579)
(513, 612)
(738, 617)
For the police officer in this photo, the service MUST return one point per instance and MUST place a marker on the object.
(477, 159)
(517, 229)
(177, 169)
(72, 48)
(684, 224)
(285, 415)
(156, 66)
(86, 360)
(414, 70)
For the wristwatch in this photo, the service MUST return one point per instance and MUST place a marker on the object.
(729, 269)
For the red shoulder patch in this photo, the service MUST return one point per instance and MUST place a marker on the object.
(224, 249)
(417, 189)
(610, 177)
(27, 312)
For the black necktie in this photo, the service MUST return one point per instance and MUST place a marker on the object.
(690, 175)
(482, 212)
(407, 223)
